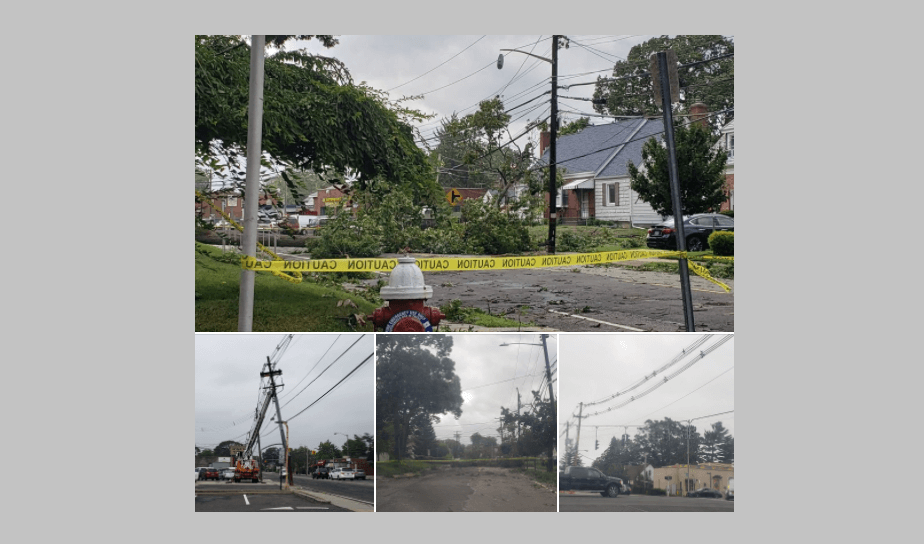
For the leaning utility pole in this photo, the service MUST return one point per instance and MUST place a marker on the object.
(667, 90)
(548, 370)
(271, 373)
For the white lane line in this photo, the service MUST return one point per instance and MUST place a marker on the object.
(598, 321)
(280, 508)
(245, 500)
(312, 508)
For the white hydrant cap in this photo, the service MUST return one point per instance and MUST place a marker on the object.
(406, 282)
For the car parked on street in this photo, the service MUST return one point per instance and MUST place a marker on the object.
(342, 474)
(706, 492)
(227, 474)
(210, 473)
(197, 474)
(323, 473)
(696, 229)
(359, 474)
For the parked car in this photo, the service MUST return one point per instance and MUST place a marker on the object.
(282, 472)
(706, 492)
(342, 474)
(200, 473)
(323, 473)
(210, 473)
(359, 474)
(696, 228)
(730, 490)
(227, 474)
(197, 474)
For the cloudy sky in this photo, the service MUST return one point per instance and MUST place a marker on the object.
(597, 366)
(228, 380)
(490, 375)
(455, 72)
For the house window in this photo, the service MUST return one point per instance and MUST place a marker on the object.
(611, 194)
(730, 144)
(564, 199)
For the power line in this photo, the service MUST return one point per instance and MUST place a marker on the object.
(315, 365)
(679, 371)
(325, 370)
(437, 66)
(690, 393)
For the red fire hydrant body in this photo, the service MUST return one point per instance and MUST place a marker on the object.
(405, 295)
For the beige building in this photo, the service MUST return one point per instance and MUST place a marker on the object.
(714, 475)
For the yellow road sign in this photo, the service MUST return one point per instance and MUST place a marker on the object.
(454, 197)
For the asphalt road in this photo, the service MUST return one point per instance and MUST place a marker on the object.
(614, 299)
(470, 489)
(260, 502)
(359, 490)
(593, 502)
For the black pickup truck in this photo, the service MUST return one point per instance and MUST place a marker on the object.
(588, 479)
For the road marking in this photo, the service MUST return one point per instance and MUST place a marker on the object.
(245, 500)
(312, 508)
(598, 321)
(280, 508)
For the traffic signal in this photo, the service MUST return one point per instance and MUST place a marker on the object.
(596, 444)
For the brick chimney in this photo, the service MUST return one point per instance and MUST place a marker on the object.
(545, 140)
(698, 112)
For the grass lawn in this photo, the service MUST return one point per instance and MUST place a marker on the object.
(278, 304)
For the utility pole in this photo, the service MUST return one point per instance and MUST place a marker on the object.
(271, 373)
(577, 440)
(553, 190)
(518, 417)
(567, 439)
(260, 450)
(252, 187)
(548, 371)
(668, 86)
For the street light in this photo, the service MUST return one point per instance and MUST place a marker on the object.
(548, 372)
(554, 132)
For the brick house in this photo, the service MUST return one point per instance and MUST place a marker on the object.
(227, 201)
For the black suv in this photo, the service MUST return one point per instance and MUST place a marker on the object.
(323, 473)
(696, 228)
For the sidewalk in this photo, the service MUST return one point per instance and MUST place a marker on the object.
(341, 502)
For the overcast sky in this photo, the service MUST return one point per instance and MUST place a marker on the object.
(597, 366)
(228, 379)
(481, 363)
(402, 66)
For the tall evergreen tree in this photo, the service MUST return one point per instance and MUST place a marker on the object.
(713, 442)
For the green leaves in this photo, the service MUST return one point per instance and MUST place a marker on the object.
(700, 168)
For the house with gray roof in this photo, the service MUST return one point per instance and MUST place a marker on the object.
(596, 174)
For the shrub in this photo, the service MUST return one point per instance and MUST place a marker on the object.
(730, 213)
(657, 491)
(722, 243)
(344, 236)
(492, 231)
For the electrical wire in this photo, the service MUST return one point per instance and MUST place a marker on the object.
(437, 66)
(325, 370)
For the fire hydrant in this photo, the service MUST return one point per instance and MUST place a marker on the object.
(404, 298)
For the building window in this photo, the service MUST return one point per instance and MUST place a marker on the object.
(564, 199)
(730, 144)
(611, 194)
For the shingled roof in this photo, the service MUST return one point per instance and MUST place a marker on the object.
(602, 149)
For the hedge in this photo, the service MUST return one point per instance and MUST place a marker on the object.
(722, 243)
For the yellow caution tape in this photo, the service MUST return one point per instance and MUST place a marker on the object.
(276, 258)
(450, 264)
(719, 258)
(279, 267)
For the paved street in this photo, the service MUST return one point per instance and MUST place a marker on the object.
(471, 489)
(592, 299)
(261, 502)
(593, 502)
